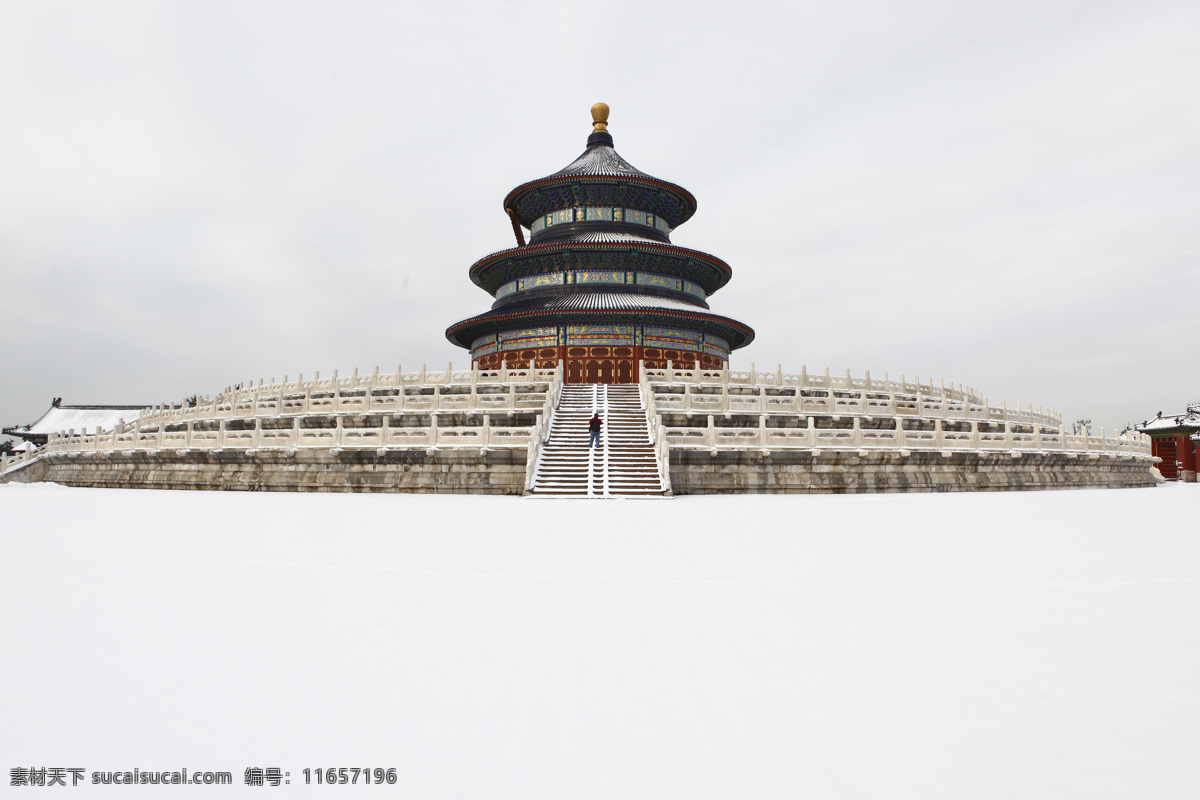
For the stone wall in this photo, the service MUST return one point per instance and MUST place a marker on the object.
(502, 471)
(702, 471)
(445, 471)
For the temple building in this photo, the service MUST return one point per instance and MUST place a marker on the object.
(599, 286)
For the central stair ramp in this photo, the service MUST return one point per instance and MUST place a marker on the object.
(625, 463)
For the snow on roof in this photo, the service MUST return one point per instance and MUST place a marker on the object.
(83, 419)
(1168, 423)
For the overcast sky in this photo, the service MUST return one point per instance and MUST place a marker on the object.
(1005, 195)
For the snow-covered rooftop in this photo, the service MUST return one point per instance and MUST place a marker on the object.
(82, 419)
(1189, 419)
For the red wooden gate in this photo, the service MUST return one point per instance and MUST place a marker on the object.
(1167, 451)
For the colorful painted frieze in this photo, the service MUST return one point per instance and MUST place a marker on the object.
(601, 277)
(535, 281)
(677, 338)
(673, 333)
(598, 276)
(600, 214)
(528, 337)
(484, 345)
(600, 334)
(664, 281)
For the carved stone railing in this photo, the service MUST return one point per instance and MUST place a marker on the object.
(831, 399)
(662, 453)
(208, 426)
(135, 438)
(658, 437)
(898, 438)
(839, 384)
(725, 391)
(804, 379)
(468, 391)
(836, 403)
(540, 433)
(12, 463)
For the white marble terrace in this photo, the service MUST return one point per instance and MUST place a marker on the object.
(882, 413)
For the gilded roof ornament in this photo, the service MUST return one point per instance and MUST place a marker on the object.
(600, 118)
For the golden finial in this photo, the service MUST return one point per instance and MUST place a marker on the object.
(600, 118)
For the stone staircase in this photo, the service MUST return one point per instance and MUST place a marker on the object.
(624, 464)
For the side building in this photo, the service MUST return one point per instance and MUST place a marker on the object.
(1175, 439)
(75, 420)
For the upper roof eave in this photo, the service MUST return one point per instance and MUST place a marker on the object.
(510, 199)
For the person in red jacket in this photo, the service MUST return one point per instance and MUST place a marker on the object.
(594, 426)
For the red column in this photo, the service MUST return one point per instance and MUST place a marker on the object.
(1188, 452)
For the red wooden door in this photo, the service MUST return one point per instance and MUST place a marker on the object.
(601, 370)
(1167, 451)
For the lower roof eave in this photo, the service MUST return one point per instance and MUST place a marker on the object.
(463, 333)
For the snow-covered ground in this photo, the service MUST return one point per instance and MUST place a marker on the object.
(1025, 645)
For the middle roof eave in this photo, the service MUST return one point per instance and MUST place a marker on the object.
(720, 270)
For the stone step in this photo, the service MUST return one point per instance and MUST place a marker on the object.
(625, 463)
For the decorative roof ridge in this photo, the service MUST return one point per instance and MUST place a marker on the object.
(103, 407)
(600, 155)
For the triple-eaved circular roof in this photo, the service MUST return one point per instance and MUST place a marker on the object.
(608, 221)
